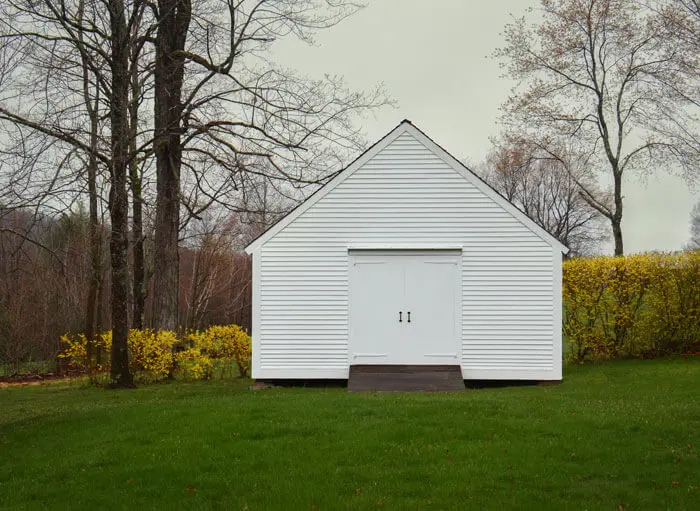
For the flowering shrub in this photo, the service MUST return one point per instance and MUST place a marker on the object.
(192, 364)
(75, 352)
(152, 357)
(228, 342)
(152, 352)
(672, 317)
(642, 305)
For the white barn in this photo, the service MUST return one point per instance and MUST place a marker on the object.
(407, 258)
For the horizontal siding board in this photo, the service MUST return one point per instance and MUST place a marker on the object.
(293, 330)
(297, 308)
(303, 357)
(307, 344)
(506, 367)
(474, 328)
(532, 343)
(406, 195)
(282, 336)
(334, 249)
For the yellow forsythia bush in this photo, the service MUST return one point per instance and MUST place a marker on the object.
(642, 305)
(152, 352)
(75, 351)
(227, 342)
(154, 355)
(192, 364)
(672, 316)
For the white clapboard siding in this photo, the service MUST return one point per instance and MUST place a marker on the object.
(408, 195)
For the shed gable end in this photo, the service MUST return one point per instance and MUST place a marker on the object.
(407, 165)
(406, 193)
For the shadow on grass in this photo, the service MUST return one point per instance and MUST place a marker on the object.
(499, 384)
(311, 383)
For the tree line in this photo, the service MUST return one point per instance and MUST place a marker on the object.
(45, 282)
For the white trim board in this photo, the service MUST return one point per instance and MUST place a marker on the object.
(407, 127)
(404, 246)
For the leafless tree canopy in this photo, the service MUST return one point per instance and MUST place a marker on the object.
(546, 186)
(617, 79)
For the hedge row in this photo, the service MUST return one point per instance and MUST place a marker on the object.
(644, 305)
(155, 355)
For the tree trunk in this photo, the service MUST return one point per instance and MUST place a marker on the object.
(617, 236)
(616, 219)
(173, 23)
(118, 198)
(99, 317)
(139, 280)
(93, 304)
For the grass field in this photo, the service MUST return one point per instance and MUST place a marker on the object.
(620, 434)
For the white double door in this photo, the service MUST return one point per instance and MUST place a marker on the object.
(404, 307)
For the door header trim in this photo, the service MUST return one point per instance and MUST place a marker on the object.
(404, 246)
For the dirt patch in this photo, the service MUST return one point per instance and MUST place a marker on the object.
(33, 379)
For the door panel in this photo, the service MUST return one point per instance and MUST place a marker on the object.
(377, 289)
(431, 288)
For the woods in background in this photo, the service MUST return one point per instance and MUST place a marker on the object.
(45, 283)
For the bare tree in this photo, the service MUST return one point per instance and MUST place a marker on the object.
(220, 103)
(140, 136)
(546, 187)
(91, 103)
(215, 276)
(118, 199)
(38, 47)
(211, 245)
(605, 74)
(261, 204)
(173, 19)
(85, 56)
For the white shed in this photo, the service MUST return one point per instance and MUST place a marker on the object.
(407, 258)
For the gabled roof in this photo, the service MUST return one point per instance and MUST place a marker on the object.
(407, 126)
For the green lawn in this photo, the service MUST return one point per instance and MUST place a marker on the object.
(624, 433)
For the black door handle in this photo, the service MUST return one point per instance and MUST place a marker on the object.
(400, 320)
(409, 316)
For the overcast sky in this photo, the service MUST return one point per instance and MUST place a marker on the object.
(434, 63)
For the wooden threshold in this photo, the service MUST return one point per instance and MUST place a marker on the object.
(405, 378)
